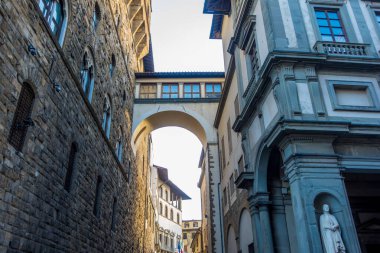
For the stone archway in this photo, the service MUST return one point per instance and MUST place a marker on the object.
(198, 119)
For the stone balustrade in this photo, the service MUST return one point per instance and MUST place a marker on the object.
(342, 48)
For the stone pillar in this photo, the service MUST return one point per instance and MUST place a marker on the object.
(203, 90)
(312, 169)
(159, 89)
(256, 228)
(180, 90)
(261, 202)
(280, 231)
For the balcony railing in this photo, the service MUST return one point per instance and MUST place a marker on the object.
(342, 48)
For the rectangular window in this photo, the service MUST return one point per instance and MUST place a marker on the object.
(330, 25)
(184, 236)
(213, 90)
(236, 105)
(232, 184)
(225, 197)
(241, 164)
(191, 90)
(223, 153)
(195, 224)
(170, 91)
(229, 136)
(148, 90)
(377, 14)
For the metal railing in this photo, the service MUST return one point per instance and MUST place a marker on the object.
(341, 48)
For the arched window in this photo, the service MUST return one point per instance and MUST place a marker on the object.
(166, 211)
(178, 218)
(21, 118)
(87, 74)
(171, 215)
(120, 145)
(107, 115)
(70, 166)
(112, 65)
(55, 14)
(98, 192)
(161, 208)
(96, 16)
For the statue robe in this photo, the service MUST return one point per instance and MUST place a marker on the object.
(332, 240)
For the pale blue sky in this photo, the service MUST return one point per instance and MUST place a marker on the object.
(180, 37)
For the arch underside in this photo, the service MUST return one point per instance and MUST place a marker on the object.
(167, 119)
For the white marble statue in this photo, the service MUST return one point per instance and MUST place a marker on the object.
(330, 231)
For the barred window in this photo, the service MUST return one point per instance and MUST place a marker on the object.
(98, 192)
(70, 167)
(21, 118)
(114, 209)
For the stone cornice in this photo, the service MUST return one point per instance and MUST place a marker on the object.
(256, 87)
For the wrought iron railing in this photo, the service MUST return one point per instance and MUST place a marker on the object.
(342, 48)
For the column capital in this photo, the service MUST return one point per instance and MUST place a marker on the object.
(259, 200)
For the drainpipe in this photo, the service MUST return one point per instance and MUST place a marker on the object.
(219, 204)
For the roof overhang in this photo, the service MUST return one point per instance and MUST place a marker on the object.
(164, 176)
(221, 7)
(216, 27)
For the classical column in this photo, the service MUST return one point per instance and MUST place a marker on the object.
(256, 227)
(280, 228)
(261, 201)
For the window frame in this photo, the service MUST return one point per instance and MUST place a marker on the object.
(148, 95)
(213, 94)
(192, 92)
(330, 27)
(345, 18)
(170, 93)
(353, 85)
(22, 115)
(87, 74)
(59, 34)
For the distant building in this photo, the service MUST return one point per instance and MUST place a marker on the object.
(168, 199)
(196, 244)
(189, 230)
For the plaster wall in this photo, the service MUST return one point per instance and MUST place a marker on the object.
(269, 109)
(262, 43)
(231, 156)
(288, 24)
(227, 33)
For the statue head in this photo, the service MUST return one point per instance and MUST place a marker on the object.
(326, 208)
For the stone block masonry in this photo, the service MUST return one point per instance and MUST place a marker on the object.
(37, 214)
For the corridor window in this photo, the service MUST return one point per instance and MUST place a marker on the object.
(213, 90)
(378, 17)
(170, 91)
(330, 25)
(195, 224)
(148, 90)
(191, 91)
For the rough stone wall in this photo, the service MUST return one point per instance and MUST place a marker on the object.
(144, 216)
(37, 214)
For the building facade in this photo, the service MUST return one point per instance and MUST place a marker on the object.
(303, 79)
(68, 173)
(196, 243)
(169, 206)
(189, 230)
